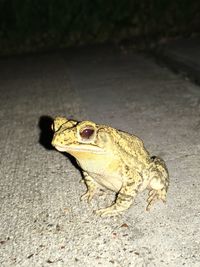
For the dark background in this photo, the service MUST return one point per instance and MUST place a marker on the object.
(35, 25)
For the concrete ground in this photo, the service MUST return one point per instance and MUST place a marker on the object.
(42, 221)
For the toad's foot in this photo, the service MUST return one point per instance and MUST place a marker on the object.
(88, 196)
(155, 195)
(113, 210)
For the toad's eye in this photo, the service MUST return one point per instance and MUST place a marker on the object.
(87, 133)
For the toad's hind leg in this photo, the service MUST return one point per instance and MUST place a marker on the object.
(159, 182)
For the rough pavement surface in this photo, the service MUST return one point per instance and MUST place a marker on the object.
(42, 221)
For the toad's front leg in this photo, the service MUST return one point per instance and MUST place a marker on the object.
(124, 198)
(91, 187)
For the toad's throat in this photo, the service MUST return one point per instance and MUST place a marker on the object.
(80, 148)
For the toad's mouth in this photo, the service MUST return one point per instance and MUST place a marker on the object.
(80, 148)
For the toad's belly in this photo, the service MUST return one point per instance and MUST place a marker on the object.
(104, 170)
(113, 183)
